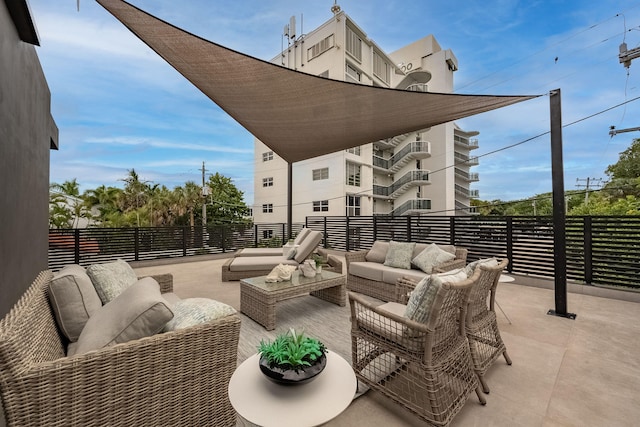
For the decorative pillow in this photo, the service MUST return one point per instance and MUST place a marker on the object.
(453, 276)
(73, 299)
(422, 298)
(292, 253)
(399, 255)
(471, 268)
(139, 311)
(378, 252)
(431, 257)
(111, 279)
(194, 311)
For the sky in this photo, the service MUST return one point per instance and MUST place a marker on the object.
(119, 106)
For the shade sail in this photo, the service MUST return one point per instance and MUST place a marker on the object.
(297, 115)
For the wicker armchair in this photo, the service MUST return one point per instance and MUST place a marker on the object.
(481, 326)
(170, 379)
(425, 367)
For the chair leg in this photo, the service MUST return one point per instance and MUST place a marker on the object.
(483, 384)
(506, 357)
(481, 398)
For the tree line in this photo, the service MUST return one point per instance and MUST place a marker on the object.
(146, 204)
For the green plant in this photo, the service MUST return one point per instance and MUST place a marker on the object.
(318, 259)
(292, 350)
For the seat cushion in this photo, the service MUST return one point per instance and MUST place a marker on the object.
(73, 300)
(308, 245)
(378, 252)
(431, 257)
(139, 311)
(391, 275)
(111, 279)
(367, 270)
(258, 263)
(399, 254)
(259, 252)
(194, 311)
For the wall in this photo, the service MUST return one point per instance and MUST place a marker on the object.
(27, 132)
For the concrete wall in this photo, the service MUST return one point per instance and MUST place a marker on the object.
(27, 132)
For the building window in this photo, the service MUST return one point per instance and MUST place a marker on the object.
(267, 156)
(354, 150)
(353, 205)
(267, 234)
(321, 206)
(354, 44)
(353, 74)
(267, 208)
(353, 174)
(319, 174)
(320, 47)
(267, 182)
(381, 68)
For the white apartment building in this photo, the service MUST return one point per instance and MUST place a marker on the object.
(420, 173)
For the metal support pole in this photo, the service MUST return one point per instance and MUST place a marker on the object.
(290, 198)
(559, 218)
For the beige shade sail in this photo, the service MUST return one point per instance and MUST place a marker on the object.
(299, 116)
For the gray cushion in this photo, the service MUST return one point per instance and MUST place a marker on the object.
(257, 263)
(367, 270)
(301, 236)
(308, 245)
(470, 268)
(138, 312)
(194, 311)
(391, 275)
(73, 299)
(424, 295)
(431, 257)
(292, 253)
(111, 279)
(399, 254)
(378, 252)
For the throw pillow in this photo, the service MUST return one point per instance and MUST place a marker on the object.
(422, 298)
(431, 257)
(378, 252)
(138, 312)
(453, 276)
(399, 255)
(111, 279)
(471, 268)
(292, 253)
(73, 300)
(194, 311)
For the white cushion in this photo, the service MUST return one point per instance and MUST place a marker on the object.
(111, 279)
(431, 257)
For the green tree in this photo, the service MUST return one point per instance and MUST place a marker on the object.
(65, 204)
(624, 175)
(225, 202)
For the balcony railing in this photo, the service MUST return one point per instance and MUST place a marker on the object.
(469, 143)
(462, 159)
(413, 207)
(465, 192)
(400, 186)
(467, 176)
(414, 150)
(600, 250)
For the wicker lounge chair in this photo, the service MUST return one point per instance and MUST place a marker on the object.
(425, 367)
(273, 251)
(481, 326)
(173, 378)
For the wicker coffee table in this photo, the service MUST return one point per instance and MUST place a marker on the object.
(258, 298)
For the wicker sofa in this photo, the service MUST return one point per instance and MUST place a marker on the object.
(172, 378)
(367, 274)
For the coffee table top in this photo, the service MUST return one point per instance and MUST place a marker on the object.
(263, 402)
(297, 278)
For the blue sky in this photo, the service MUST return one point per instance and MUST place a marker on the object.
(119, 106)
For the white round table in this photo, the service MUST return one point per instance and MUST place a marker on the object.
(262, 402)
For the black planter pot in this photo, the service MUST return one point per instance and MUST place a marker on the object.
(301, 375)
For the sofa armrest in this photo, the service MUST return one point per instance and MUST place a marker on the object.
(404, 287)
(134, 383)
(164, 280)
(357, 256)
(335, 263)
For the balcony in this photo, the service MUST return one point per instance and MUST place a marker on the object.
(466, 160)
(413, 151)
(465, 192)
(413, 207)
(400, 186)
(468, 143)
(462, 209)
(467, 176)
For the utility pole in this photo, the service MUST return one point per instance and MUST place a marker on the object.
(589, 184)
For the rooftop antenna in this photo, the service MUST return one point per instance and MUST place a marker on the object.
(335, 8)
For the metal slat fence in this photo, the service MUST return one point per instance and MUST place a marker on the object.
(603, 251)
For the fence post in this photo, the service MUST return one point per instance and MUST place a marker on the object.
(136, 243)
(184, 241)
(223, 235)
(409, 228)
(76, 248)
(510, 244)
(324, 231)
(452, 230)
(255, 235)
(348, 236)
(588, 250)
(375, 228)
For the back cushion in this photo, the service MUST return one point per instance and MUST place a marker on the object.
(301, 236)
(111, 279)
(378, 252)
(307, 246)
(73, 299)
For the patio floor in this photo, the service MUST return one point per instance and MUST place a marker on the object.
(582, 372)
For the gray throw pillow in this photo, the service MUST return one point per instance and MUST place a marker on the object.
(378, 252)
(422, 298)
(471, 268)
(431, 257)
(194, 311)
(138, 312)
(73, 300)
(111, 279)
(399, 255)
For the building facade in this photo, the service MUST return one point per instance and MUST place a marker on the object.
(419, 173)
